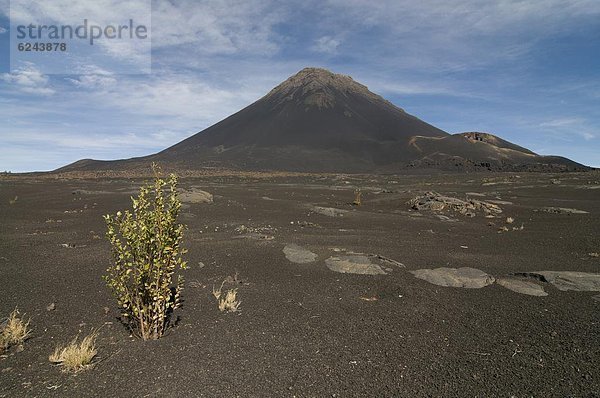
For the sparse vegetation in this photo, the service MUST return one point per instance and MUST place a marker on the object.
(227, 301)
(357, 198)
(14, 331)
(147, 250)
(76, 356)
(522, 227)
(217, 292)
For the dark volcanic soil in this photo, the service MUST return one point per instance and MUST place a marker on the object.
(305, 330)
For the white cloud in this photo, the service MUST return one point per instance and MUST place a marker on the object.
(416, 88)
(562, 122)
(326, 44)
(209, 27)
(28, 79)
(3, 30)
(450, 35)
(97, 12)
(568, 127)
(93, 77)
(588, 136)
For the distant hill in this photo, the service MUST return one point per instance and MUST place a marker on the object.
(318, 121)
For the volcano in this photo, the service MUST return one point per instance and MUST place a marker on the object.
(318, 121)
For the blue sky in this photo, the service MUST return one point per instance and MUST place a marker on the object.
(528, 71)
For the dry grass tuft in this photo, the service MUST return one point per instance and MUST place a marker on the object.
(76, 356)
(14, 331)
(229, 303)
(357, 198)
(218, 292)
(522, 227)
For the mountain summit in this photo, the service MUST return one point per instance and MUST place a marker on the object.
(319, 121)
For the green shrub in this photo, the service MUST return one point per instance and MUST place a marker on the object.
(146, 245)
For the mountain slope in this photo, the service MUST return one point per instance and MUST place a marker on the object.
(319, 121)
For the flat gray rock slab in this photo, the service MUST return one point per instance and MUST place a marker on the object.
(329, 211)
(522, 286)
(353, 264)
(562, 210)
(570, 280)
(196, 196)
(469, 278)
(298, 254)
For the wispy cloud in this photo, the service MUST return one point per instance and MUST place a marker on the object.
(218, 27)
(101, 13)
(326, 44)
(28, 79)
(570, 128)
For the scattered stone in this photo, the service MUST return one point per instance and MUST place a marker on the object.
(436, 202)
(307, 224)
(298, 254)
(500, 202)
(444, 218)
(71, 245)
(567, 280)
(51, 307)
(481, 195)
(329, 211)
(522, 286)
(594, 255)
(255, 236)
(562, 210)
(368, 298)
(465, 277)
(195, 196)
(242, 229)
(353, 264)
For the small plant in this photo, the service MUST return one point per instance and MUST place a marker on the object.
(229, 303)
(357, 198)
(519, 228)
(14, 331)
(76, 356)
(147, 250)
(217, 292)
